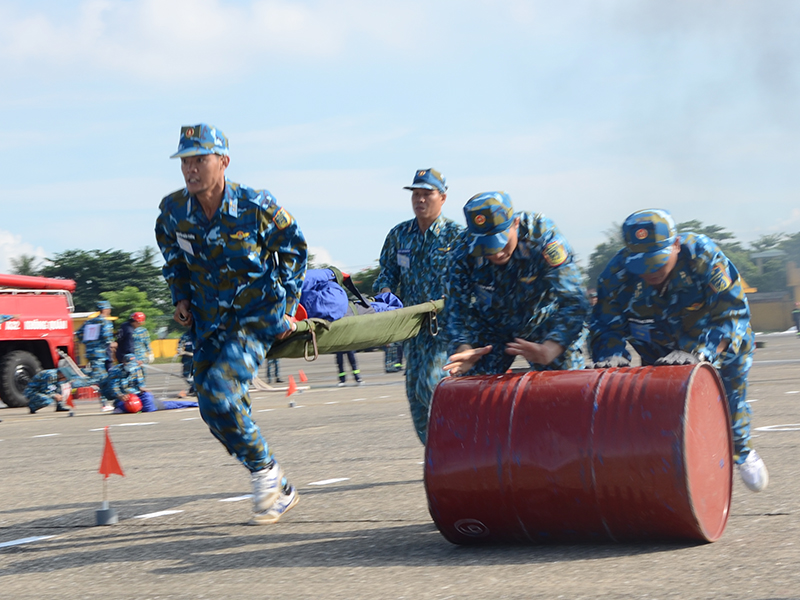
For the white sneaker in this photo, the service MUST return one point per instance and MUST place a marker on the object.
(283, 504)
(754, 472)
(266, 487)
(341, 384)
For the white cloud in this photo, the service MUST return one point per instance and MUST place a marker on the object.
(12, 246)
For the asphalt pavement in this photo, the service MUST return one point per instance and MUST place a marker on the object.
(362, 528)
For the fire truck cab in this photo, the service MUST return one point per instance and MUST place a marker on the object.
(36, 324)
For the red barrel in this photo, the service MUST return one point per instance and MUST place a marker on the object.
(620, 454)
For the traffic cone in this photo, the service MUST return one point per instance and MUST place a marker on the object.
(303, 377)
(292, 389)
(109, 465)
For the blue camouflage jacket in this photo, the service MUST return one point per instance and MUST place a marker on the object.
(102, 331)
(44, 383)
(141, 343)
(413, 263)
(702, 304)
(120, 382)
(538, 295)
(241, 270)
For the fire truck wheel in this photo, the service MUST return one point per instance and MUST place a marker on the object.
(17, 368)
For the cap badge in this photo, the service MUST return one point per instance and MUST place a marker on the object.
(479, 220)
(189, 132)
(641, 233)
(421, 173)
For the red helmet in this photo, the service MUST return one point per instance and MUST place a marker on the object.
(138, 317)
(132, 404)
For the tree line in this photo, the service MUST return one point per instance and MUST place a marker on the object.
(132, 281)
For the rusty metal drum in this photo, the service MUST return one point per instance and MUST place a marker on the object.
(641, 453)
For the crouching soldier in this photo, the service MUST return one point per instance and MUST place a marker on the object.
(48, 387)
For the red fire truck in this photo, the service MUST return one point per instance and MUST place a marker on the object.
(36, 324)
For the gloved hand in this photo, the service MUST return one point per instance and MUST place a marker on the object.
(679, 357)
(612, 361)
(151, 357)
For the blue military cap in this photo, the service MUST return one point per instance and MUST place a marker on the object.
(489, 216)
(649, 236)
(201, 139)
(103, 304)
(428, 179)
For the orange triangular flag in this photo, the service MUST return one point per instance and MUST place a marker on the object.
(70, 401)
(292, 386)
(303, 377)
(109, 465)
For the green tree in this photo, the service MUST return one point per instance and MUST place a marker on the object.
(365, 278)
(130, 300)
(98, 271)
(24, 265)
(603, 253)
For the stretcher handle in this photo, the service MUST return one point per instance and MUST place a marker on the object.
(313, 340)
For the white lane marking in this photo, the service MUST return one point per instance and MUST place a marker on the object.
(358, 399)
(161, 513)
(126, 425)
(752, 399)
(794, 392)
(266, 410)
(336, 402)
(383, 397)
(27, 540)
(329, 481)
(191, 419)
(237, 498)
(786, 427)
(47, 435)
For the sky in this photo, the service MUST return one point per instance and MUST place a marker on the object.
(584, 110)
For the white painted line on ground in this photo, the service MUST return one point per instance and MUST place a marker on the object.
(383, 396)
(794, 392)
(336, 402)
(27, 540)
(329, 481)
(266, 410)
(237, 498)
(786, 427)
(752, 399)
(359, 399)
(191, 419)
(161, 513)
(126, 425)
(47, 435)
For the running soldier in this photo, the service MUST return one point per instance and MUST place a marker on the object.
(235, 263)
(414, 263)
(97, 334)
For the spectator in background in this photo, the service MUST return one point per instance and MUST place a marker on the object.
(351, 357)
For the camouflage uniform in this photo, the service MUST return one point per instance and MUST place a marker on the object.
(122, 379)
(242, 271)
(141, 344)
(702, 305)
(41, 389)
(537, 296)
(414, 266)
(96, 348)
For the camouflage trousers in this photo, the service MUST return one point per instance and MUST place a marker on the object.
(224, 365)
(96, 372)
(425, 358)
(733, 368)
(37, 401)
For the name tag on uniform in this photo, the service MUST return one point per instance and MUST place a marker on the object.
(641, 331)
(91, 332)
(185, 245)
(404, 259)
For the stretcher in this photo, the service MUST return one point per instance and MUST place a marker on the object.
(318, 336)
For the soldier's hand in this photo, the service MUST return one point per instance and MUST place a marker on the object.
(292, 327)
(679, 357)
(183, 314)
(541, 354)
(612, 361)
(461, 362)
